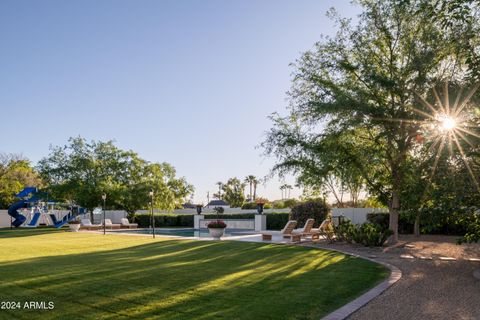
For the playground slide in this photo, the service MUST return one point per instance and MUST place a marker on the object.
(62, 222)
(34, 222)
(13, 212)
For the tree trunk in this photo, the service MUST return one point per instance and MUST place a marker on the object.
(416, 227)
(254, 191)
(393, 222)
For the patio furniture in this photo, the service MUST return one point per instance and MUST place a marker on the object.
(110, 225)
(87, 225)
(126, 224)
(306, 230)
(285, 232)
(323, 230)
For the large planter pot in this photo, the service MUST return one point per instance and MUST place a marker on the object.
(216, 233)
(74, 227)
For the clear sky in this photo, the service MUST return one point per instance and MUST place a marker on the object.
(187, 82)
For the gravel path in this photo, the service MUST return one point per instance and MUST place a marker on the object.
(428, 289)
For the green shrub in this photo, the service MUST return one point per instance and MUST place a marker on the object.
(249, 206)
(345, 231)
(368, 234)
(278, 204)
(312, 209)
(253, 206)
(290, 203)
(372, 235)
(405, 221)
(472, 228)
(230, 216)
(276, 221)
(448, 221)
(165, 220)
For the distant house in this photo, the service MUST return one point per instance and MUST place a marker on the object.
(218, 203)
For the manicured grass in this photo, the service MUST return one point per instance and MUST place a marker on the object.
(90, 276)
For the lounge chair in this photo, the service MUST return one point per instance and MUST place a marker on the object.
(110, 225)
(285, 232)
(87, 225)
(126, 224)
(306, 230)
(323, 230)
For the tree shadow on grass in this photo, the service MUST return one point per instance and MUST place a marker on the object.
(175, 279)
(28, 232)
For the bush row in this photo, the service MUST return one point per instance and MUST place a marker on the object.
(253, 206)
(450, 222)
(165, 220)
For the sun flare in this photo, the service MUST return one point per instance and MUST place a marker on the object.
(448, 126)
(447, 123)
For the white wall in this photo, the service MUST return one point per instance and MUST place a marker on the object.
(4, 218)
(210, 210)
(356, 215)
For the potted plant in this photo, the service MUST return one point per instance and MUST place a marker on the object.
(216, 228)
(74, 225)
(260, 205)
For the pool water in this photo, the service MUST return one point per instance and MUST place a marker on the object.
(202, 233)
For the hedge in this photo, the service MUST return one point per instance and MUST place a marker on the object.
(230, 216)
(448, 225)
(165, 220)
(276, 221)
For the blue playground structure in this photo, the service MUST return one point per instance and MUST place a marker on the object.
(37, 212)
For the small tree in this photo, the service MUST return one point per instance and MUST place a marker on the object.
(233, 192)
(16, 173)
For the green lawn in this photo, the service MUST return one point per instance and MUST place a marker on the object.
(90, 276)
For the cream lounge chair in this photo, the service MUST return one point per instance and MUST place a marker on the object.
(323, 230)
(306, 231)
(285, 232)
(87, 225)
(126, 224)
(110, 225)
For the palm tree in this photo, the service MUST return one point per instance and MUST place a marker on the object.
(250, 180)
(220, 186)
(282, 187)
(255, 182)
(289, 188)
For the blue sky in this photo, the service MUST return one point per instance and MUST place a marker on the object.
(187, 82)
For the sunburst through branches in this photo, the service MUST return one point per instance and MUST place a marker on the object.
(449, 126)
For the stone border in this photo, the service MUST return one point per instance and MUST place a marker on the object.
(354, 305)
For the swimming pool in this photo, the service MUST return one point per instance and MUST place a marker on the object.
(202, 233)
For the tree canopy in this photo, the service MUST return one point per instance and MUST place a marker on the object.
(356, 99)
(16, 173)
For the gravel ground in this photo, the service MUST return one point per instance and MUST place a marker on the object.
(428, 289)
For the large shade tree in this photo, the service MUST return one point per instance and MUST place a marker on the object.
(367, 81)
